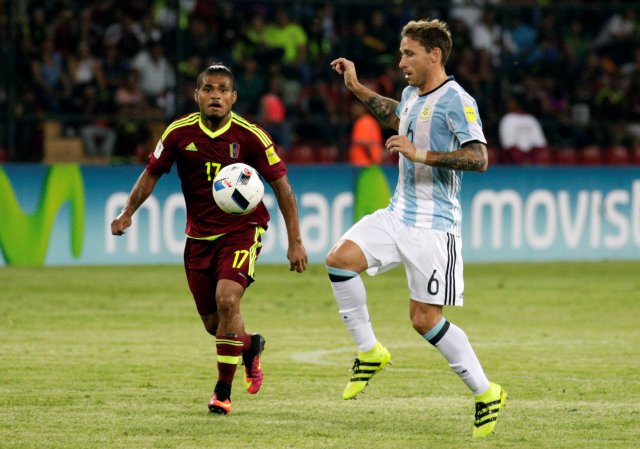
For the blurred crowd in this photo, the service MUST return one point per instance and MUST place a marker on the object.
(109, 70)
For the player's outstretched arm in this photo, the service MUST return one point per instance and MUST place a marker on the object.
(382, 107)
(139, 193)
(297, 254)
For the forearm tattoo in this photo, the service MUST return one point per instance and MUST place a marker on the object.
(472, 157)
(384, 109)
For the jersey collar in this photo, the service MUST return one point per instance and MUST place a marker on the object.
(214, 134)
(449, 78)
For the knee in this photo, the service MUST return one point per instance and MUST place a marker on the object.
(346, 255)
(420, 325)
(424, 321)
(227, 304)
(333, 259)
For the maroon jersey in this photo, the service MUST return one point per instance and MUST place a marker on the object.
(200, 153)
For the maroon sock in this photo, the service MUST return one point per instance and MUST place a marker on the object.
(229, 349)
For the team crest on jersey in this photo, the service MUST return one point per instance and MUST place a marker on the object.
(158, 151)
(234, 150)
(425, 114)
(470, 113)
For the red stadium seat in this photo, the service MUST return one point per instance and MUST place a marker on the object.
(541, 156)
(565, 156)
(494, 155)
(616, 155)
(300, 154)
(591, 155)
(327, 154)
(634, 154)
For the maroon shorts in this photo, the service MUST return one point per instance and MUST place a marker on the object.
(231, 256)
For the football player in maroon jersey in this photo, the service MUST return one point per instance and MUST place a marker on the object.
(221, 249)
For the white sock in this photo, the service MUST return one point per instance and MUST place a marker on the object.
(453, 344)
(351, 297)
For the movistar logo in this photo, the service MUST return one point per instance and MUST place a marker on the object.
(24, 238)
(371, 192)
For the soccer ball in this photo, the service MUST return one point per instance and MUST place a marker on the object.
(237, 189)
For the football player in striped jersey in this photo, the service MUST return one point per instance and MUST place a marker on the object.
(439, 137)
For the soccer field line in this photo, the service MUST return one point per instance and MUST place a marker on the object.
(319, 357)
(323, 356)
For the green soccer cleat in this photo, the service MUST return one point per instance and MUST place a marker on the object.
(488, 406)
(365, 366)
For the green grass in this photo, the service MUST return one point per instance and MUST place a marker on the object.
(116, 357)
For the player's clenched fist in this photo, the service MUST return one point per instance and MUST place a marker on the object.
(120, 224)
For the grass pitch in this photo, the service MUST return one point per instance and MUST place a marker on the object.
(116, 357)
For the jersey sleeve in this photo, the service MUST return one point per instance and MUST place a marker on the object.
(403, 98)
(464, 119)
(266, 158)
(164, 155)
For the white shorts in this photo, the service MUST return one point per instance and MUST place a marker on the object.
(432, 259)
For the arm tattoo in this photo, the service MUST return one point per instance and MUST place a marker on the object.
(471, 157)
(384, 109)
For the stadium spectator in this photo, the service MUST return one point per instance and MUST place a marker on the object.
(616, 36)
(439, 135)
(252, 83)
(125, 33)
(253, 44)
(521, 136)
(98, 136)
(289, 36)
(50, 74)
(157, 78)
(273, 114)
(38, 28)
(216, 275)
(317, 115)
(381, 39)
(199, 40)
(85, 69)
(577, 43)
(593, 44)
(357, 47)
(487, 35)
(115, 69)
(88, 32)
(132, 106)
(29, 145)
(366, 137)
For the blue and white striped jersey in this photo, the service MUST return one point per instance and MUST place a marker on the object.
(441, 120)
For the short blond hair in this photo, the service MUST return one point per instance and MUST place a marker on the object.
(431, 34)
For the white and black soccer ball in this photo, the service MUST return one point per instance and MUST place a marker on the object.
(238, 189)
